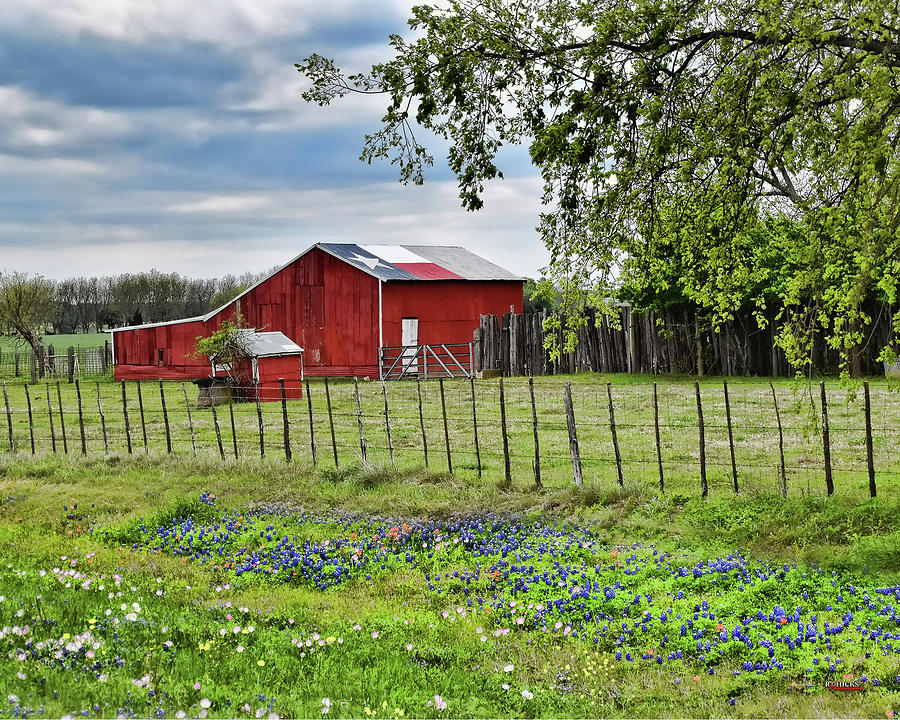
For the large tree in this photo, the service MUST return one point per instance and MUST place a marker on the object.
(733, 109)
(26, 305)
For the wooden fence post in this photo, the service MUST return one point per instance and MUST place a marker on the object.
(387, 422)
(475, 426)
(125, 414)
(446, 428)
(70, 358)
(9, 424)
(30, 418)
(826, 441)
(359, 422)
(80, 418)
(18, 359)
(573, 435)
(233, 430)
(312, 431)
(143, 422)
(662, 485)
(422, 422)
(870, 462)
(615, 438)
(780, 443)
(33, 367)
(734, 472)
(102, 422)
(507, 481)
(284, 417)
(331, 422)
(50, 417)
(218, 429)
(62, 419)
(537, 447)
(165, 411)
(187, 404)
(259, 421)
(704, 488)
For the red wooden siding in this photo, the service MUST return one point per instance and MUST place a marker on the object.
(323, 304)
(136, 352)
(273, 369)
(448, 311)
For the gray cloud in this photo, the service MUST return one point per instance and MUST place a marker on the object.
(158, 133)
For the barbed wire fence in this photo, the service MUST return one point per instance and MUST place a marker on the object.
(688, 438)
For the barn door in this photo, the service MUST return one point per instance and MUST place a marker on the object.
(409, 338)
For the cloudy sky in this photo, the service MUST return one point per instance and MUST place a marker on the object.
(171, 134)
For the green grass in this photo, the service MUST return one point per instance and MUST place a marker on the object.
(754, 430)
(59, 342)
(95, 519)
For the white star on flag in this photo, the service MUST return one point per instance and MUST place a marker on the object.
(371, 263)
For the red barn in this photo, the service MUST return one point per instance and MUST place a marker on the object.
(342, 304)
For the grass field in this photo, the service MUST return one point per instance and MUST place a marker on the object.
(59, 342)
(754, 426)
(183, 586)
(157, 586)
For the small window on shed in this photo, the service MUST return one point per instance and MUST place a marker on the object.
(160, 356)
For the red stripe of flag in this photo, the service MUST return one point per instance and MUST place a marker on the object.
(428, 271)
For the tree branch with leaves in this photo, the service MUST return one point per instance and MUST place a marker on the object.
(740, 110)
(227, 347)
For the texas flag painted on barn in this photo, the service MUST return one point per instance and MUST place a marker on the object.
(405, 259)
(417, 262)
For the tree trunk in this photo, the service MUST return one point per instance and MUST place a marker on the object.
(698, 345)
(37, 346)
(670, 342)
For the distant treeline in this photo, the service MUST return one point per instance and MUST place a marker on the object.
(85, 304)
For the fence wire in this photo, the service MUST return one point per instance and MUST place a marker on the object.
(84, 362)
(45, 417)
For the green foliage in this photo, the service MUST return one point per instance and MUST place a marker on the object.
(225, 295)
(227, 346)
(540, 295)
(661, 125)
(25, 307)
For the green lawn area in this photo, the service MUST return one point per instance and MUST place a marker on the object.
(159, 586)
(59, 342)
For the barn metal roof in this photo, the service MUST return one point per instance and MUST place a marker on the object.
(158, 324)
(367, 261)
(418, 262)
(466, 264)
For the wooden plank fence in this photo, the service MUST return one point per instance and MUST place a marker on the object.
(671, 342)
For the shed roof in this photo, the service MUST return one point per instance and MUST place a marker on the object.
(268, 344)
